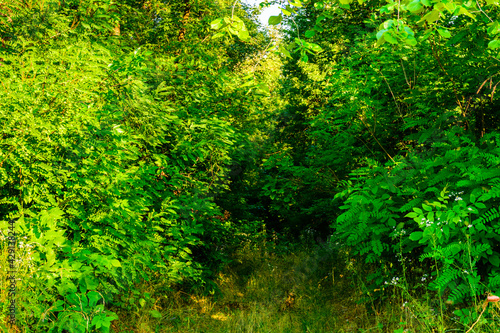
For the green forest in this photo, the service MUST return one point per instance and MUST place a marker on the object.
(177, 166)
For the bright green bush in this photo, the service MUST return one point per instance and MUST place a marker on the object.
(432, 214)
(111, 157)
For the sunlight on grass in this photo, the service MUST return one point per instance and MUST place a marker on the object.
(313, 289)
(264, 292)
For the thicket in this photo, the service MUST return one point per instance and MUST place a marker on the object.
(394, 145)
(120, 126)
(143, 141)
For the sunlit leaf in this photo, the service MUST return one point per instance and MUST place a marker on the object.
(218, 35)
(432, 16)
(275, 20)
(494, 44)
(414, 6)
(244, 35)
(319, 5)
(217, 24)
(444, 33)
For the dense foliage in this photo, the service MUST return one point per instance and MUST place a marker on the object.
(142, 140)
(394, 145)
(120, 126)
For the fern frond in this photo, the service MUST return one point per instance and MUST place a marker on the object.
(446, 276)
(491, 215)
(459, 293)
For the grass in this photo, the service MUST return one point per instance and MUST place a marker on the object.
(312, 289)
(272, 288)
(264, 292)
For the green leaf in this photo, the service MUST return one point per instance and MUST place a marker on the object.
(493, 29)
(155, 314)
(480, 205)
(446, 230)
(494, 260)
(284, 51)
(473, 210)
(288, 10)
(411, 41)
(411, 215)
(310, 33)
(275, 20)
(381, 33)
(318, 28)
(93, 298)
(263, 89)
(249, 82)
(320, 18)
(415, 236)
(218, 35)
(494, 44)
(418, 211)
(427, 207)
(444, 33)
(430, 216)
(432, 16)
(243, 35)
(414, 6)
(319, 5)
(217, 24)
(315, 47)
(115, 263)
(408, 31)
(464, 11)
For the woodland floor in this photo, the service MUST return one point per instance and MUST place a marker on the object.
(313, 289)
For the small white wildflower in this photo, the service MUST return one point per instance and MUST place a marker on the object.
(394, 281)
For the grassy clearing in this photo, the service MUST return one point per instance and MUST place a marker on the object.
(264, 292)
(312, 289)
(271, 288)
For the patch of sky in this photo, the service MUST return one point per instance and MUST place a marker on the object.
(272, 10)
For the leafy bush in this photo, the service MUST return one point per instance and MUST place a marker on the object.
(391, 212)
(110, 158)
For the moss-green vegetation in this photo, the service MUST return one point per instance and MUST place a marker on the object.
(159, 175)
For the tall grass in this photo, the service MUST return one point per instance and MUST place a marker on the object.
(280, 287)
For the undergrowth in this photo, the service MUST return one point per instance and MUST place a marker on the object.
(275, 286)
